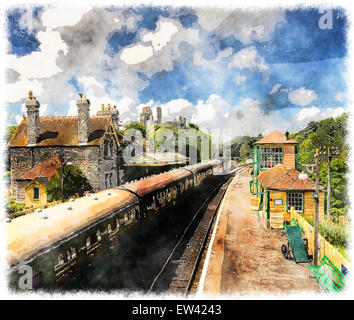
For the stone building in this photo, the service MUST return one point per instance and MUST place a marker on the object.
(92, 143)
(179, 123)
(146, 117)
(34, 181)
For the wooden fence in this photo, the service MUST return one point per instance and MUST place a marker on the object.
(325, 247)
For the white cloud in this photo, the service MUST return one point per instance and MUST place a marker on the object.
(89, 82)
(245, 26)
(173, 47)
(240, 78)
(302, 96)
(18, 91)
(163, 35)
(307, 113)
(275, 88)
(340, 96)
(248, 58)
(40, 64)
(198, 59)
(63, 16)
(210, 19)
(136, 54)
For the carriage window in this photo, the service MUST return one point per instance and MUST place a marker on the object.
(73, 253)
(88, 242)
(109, 228)
(59, 261)
(98, 235)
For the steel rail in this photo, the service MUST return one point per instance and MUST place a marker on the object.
(188, 265)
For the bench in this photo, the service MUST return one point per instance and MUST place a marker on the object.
(328, 275)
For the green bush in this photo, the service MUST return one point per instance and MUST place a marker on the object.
(13, 207)
(336, 233)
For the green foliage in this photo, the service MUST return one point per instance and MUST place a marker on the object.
(10, 132)
(13, 207)
(339, 194)
(330, 132)
(74, 183)
(135, 125)
(192, 141)
(241, 147)
(336, 233)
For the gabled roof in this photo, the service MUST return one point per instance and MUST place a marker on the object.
(158, 158)
(56, 131)
(282, 178)
(275, 137)
(45, 169)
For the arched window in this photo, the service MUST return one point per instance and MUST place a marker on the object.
(105, 148)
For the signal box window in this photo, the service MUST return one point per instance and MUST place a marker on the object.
(271, 156)
(295, 200)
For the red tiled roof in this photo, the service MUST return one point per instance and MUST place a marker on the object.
(282, 178)
(275, 137)
(45, 169)
(61, 131)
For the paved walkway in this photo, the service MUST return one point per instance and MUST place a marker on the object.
(245, 258)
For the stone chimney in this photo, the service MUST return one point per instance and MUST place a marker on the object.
(33, 128)
(287, 135)
(83, 125)
(110, 111)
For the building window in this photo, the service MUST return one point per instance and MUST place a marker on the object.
(295, 200)
(106, 181)
(271, 156)
(35, 193)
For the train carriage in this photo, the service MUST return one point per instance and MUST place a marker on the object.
(63, 243)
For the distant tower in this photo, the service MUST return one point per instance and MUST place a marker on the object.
(33, 128)
(83, 112)
(146, 117)
(158, 115)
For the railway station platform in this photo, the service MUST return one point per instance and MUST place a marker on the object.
(244, 258)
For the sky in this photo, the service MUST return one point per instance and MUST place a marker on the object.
(249, 71)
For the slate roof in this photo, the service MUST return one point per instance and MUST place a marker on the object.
(56, 131)
(282, 178)
(275, 137)
(45, 169)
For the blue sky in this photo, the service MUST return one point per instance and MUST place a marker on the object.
(248, 71)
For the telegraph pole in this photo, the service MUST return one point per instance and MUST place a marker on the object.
(316, 197)
(329, 158)
(331, 153)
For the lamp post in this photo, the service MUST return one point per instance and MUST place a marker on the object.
(64, 163)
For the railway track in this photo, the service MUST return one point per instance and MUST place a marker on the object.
(188, 250)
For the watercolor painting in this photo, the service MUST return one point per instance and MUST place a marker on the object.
(183, 151)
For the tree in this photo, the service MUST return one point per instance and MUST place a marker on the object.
(137, 126)
(75, 183)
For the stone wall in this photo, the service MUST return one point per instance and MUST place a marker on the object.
(85, 157)
(107, 163)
